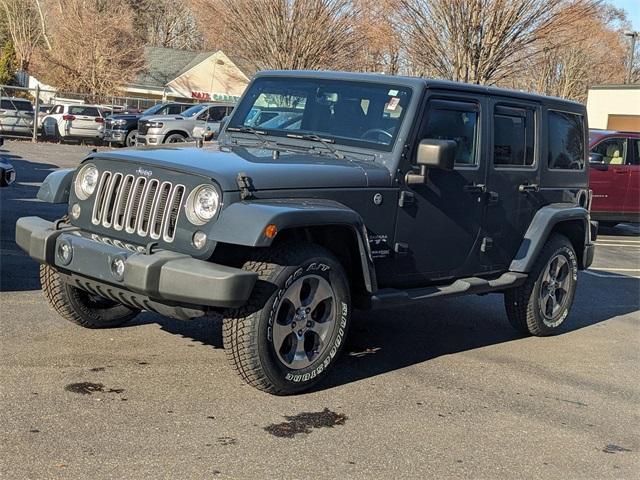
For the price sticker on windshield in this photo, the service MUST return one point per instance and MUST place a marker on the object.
(393, 104)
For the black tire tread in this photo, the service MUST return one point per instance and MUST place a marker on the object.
(57, 294)
(518, 301)
(238, 333)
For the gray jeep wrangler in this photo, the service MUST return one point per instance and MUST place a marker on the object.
(359, 191)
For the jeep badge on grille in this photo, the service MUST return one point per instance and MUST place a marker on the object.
(143, 172)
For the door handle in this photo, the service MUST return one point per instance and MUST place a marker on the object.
(529, 187)
(475, 188)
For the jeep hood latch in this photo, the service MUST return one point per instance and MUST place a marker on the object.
(245, 185)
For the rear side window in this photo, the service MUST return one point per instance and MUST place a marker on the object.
(513, 137)
(454, 121)
(81, 110)
(566, 141)
(20, 105)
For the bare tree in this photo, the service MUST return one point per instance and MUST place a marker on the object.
(381, 49)
(166, 23)
(93, 48)
(589, 51)
(481, 41)
(282, 34)
(22, 23)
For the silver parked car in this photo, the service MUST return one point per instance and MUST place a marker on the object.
(158, 129)
(16, 116)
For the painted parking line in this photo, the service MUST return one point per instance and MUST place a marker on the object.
(618, 276)
(619, 245)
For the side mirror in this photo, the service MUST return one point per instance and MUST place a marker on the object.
(440, 154)
(596, 158)
(7, 174)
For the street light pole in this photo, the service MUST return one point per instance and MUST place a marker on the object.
(632, 50)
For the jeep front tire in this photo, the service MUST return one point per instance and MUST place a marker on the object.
(541, 304)
(293, 328)
(80, 307)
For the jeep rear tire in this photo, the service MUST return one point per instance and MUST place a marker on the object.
(81, 307)
(540, 306)
(293, 328)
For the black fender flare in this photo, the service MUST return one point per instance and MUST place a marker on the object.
(540, 228)
(244, 223)
(56, 187)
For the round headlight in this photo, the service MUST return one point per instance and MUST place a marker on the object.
(203, 204)
(86, 181)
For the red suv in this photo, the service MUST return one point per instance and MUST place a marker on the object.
(614, 176)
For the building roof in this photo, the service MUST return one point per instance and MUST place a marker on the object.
(166, 64)
(628, 86)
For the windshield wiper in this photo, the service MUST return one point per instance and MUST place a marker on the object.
(258, 133)
(315, 138)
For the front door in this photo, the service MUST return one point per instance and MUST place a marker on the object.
(439, 222)
(609, 175)
(513, 180)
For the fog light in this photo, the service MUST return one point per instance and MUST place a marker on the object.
(117, 268)
(65, 252)
(75, 211)
(199, 240)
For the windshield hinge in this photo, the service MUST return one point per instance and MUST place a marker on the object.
(245, 184)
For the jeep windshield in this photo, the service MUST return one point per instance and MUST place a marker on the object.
(360, 114)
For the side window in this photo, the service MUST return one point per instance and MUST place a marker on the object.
(566, 141)
(163, 111)
(216, 114)
(174, 109)
(610, 151)
(454, 121)
(513, 137)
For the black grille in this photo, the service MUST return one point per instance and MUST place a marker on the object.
(138, 205)
(143, 128)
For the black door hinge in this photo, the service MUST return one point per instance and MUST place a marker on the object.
(245, 185)
(406, 198)
(487, 244)
(401, 249)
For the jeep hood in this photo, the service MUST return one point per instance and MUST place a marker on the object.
(289, 171)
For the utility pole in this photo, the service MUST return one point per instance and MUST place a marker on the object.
(632, 52)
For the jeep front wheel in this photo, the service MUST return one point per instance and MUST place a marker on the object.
(293, 328)
(80, 307)
(541, 304)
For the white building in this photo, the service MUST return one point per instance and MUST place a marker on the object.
(614, 107)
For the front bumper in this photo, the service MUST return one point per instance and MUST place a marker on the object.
(114, 136)
(150, 139)
(165, 277)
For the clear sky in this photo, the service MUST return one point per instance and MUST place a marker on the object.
(633, 11)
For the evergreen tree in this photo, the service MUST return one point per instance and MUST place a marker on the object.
(7, 64)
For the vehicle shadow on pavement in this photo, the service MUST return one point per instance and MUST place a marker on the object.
(18, 272)
(387, 340)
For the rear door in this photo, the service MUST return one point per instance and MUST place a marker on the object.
(609, 174)
(86, 120)
(632, 199)
(513, 179)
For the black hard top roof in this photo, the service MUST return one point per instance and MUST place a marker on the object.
(419, 82)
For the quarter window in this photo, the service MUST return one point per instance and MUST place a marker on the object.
(513, 137)
(566, 141)
(454, 121)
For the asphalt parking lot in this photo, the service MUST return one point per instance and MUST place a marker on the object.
(446, 390)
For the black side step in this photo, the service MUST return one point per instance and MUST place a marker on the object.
(463, 286)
